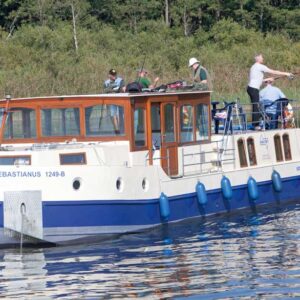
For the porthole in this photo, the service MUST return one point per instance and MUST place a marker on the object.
(76, 184)
(145, 184)
(119, 184)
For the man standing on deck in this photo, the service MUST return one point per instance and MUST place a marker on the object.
(256, 78)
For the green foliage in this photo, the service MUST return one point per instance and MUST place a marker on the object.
(39, 56)
(227, 33)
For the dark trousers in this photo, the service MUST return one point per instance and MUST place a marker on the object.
(254, 97)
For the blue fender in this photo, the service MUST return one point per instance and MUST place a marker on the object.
(201, 193)
(164, 207)
(276, 181)
(226, 188)
(252, 188)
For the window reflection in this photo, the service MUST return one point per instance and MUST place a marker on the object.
(169, 123)
(72, 159)
(242, 153)
(104, 120)
(278, 149)
(202, 122)
(186, 123)
(251, 152)
(60, 122)
(20, 124)
(286, 147)
(155, 126)
(139, 127)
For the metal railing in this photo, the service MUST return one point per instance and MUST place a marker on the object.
(238, 118)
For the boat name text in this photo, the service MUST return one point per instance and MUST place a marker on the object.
(34, 174)
(263, 140)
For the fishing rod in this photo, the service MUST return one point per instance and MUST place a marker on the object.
(290, 77)
(142, 68)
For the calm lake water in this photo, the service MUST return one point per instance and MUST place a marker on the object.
(240, 256)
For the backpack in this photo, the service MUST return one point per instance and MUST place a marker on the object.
(134, 87)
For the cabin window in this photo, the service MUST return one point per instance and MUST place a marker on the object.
(187, 123)
(251, 152)
(286, 147)
(72, 159)
(242, 153)
(104, 120)
(139, 127)
(15, 160)
(278, 149)
(20, 124)
(60, 122)
(202, 122)
(155, 126)
(169, 130)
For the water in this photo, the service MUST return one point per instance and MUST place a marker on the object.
(243, 256)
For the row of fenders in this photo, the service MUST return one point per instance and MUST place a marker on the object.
(226, 189)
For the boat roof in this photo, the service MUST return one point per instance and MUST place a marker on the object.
(110, 95)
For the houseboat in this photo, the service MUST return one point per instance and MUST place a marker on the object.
(73, 168)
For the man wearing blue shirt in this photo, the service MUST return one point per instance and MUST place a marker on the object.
(267, 98)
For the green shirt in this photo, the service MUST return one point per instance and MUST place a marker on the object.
(202, 74)
(144, 81)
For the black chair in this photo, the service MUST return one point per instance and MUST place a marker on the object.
(271, 116)
(227, 110)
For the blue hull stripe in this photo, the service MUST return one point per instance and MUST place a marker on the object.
(146, 212)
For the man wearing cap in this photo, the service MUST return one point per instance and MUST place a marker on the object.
(267, 99)
(200, 74)
(114, 83)
(144, 80)
(256, 78)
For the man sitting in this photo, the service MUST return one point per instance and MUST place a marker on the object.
(144, 80)
(114, 83)
(268, 97)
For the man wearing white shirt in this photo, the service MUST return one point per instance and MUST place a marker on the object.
(256, 78)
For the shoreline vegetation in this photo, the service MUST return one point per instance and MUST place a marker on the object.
(43, 52)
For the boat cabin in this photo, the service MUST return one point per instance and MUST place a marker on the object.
(148, 121)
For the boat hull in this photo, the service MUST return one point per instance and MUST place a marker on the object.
(65, 222)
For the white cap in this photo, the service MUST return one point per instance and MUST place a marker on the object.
(193, 61)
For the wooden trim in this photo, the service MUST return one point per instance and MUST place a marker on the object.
(278, 148)
(287, 150)
(141, 104)
(252, 159)
(81, 102)
(242, 153)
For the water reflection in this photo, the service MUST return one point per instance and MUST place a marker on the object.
(22, 273)
(230, 257)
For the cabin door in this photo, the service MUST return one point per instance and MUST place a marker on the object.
(169, 147)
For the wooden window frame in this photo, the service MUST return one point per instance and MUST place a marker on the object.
(72, 154)
(250, 140)
(245, 163)
(287, 150)
(135, 106)
(278, 148)
(194, 104)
